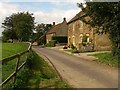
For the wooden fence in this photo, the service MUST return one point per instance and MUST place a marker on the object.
(17, 68)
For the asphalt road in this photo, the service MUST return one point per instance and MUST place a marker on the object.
(81, 73)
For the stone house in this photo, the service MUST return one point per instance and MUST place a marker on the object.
(78, 30)
(57, 30)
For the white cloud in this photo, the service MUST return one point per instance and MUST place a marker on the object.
(55, 16)
(42, 1)
(6, 9)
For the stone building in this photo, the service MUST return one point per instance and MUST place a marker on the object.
(57, 30)
(83, 37)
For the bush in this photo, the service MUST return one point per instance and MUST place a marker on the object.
(4, 39)
(22, 78)
(84, 43)
(84, 39)
(60, 39)
(51, 43)
(75, 51)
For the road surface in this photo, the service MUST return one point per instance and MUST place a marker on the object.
(81, 73)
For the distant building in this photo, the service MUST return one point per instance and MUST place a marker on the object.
(80, 32)
(57, 30)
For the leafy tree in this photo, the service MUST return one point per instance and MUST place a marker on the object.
(19, 25)
(9, 32)
(41, 29)
(107, 16)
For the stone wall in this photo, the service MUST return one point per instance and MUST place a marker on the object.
(102, 42)
(78, 28)
(49, 37)
(75, 30)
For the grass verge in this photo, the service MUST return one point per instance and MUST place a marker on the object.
(37, 73)
(42, 75)
(107, 58)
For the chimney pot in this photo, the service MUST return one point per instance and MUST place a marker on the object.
(64, 19)
(53, 23)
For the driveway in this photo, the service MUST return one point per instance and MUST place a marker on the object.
(81, 73)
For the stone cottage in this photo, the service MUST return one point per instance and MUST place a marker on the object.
(82, 36)
(57, 30)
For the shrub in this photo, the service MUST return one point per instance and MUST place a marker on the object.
(51, 43)
(4, 39)
(22, 78)
(75, 51)
(84, 39)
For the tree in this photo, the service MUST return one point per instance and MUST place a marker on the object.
(20, 24)
(8, 32)
(107, 16)
(41, 29)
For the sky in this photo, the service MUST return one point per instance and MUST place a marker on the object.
(45, 11)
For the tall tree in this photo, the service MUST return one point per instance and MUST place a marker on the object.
(41, 29)
(9, 32)
(107, 16)
(22, 24)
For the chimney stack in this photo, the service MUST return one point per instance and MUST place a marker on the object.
(64, 19)
(53, 23)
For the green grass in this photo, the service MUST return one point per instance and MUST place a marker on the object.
(107, 58)
(42, 75)
(9, 49)
(38, 73)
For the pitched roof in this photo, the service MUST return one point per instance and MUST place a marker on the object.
(56, 27)
(76, 17)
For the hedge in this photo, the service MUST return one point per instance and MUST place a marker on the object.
(60, 39)
(51, 43)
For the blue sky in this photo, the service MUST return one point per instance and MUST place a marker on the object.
(46, 11)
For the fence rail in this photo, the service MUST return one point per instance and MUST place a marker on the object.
(17, 68)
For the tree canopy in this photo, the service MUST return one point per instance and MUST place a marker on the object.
(19, 26)
(41, 30)
(107, 16)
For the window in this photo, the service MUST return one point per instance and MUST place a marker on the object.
(88, 39)
(73, 37)
(81, 37)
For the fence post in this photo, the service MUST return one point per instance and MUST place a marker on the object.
(16, 69)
